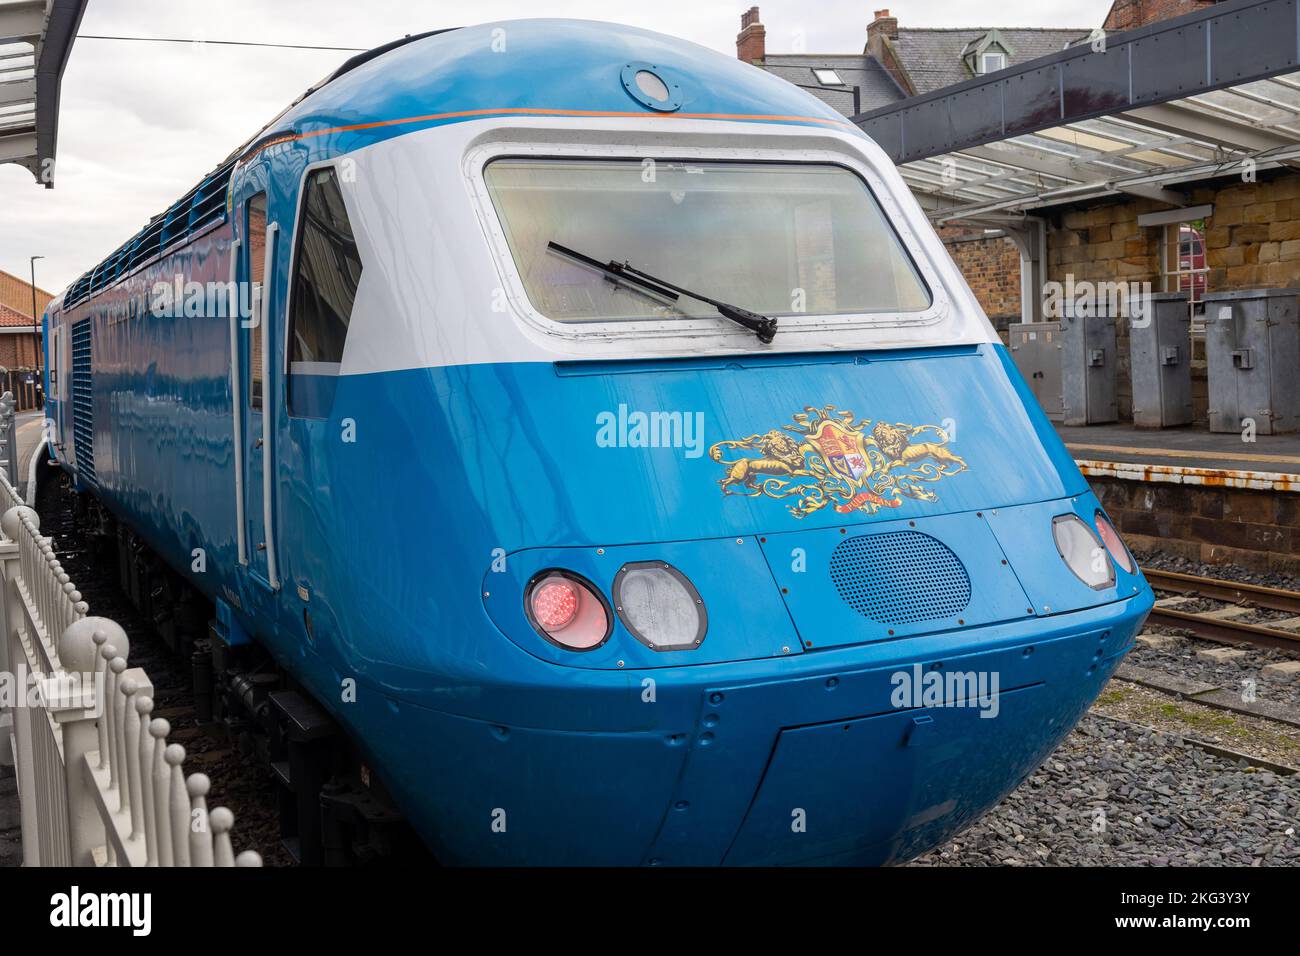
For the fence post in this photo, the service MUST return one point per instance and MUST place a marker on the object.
(198, 785)
(77, 653)
(179, 810)
(117, 700)
(222, 820)
(144, 755)
(12, 432)
(101, 664)
(7, 437)
(8, 568)
(159, 729)
(10, 523)
(24, 761)
(131, 731)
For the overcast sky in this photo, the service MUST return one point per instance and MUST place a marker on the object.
(141, 123)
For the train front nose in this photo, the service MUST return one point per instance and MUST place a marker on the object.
(984, 642)
(856, 766)
(860, 693)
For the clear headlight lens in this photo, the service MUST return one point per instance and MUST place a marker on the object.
(567, 610)
(1082, 551)
(660, 606)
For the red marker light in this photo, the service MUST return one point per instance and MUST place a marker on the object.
(555, 604)
(567, 610)
(1114, 544)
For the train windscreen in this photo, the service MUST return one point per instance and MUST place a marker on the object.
(774, 238)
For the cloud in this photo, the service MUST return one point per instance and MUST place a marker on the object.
(141, 123)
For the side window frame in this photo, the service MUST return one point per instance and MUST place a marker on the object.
(296, 372)
(53, 365)
(253, 397)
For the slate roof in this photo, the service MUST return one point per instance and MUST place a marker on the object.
(933, 56)
(877, 87)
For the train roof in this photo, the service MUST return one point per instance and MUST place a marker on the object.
(545, 66)
(514, 67)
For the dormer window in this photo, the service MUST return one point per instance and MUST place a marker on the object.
(987, 54)
(828, 78)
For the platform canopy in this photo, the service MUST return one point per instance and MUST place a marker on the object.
(35, 40)
(1208, 94)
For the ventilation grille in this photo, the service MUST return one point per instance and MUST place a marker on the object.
(196, 210)
(899, 578)
(83, 408)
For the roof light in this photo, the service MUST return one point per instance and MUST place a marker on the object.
(828, 78)
(653, 86)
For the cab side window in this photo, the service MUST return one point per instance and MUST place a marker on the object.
(326, 273)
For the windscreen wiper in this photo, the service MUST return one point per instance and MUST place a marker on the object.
(761, 325)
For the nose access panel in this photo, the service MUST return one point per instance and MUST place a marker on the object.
(894, 579)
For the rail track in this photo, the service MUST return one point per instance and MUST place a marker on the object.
(1238, 599)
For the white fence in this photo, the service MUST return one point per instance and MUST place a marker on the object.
(98, 783)
(8, 436)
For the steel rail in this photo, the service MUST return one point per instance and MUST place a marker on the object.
(1225, 630)
(1235, 592)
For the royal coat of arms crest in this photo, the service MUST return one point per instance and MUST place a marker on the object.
(830, 457)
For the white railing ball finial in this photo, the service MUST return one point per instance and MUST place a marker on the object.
(112, 631)
(78, 645)
(12, 519)
(198, 785)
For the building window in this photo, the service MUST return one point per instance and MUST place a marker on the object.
(828, 78)
(993, 61)
(1182, 260)
(328, 271)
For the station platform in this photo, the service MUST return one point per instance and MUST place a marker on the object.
(1190, 455)
(1211, 498)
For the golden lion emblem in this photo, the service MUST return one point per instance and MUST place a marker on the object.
(832, 459)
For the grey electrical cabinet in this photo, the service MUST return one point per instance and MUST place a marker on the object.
(1252, 347)
(1036, 350)
(1088, 368)
(1160, 346)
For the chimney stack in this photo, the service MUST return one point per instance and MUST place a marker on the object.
(751, 41)
(883, 25)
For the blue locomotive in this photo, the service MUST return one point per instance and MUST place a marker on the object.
(587, 433)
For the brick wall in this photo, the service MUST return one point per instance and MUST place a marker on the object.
(16, 293)
(991, 266)
(1254, 529)
(1127, 14)
(17, 351)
